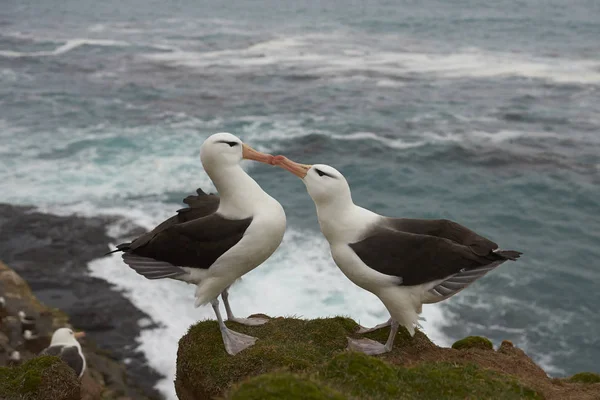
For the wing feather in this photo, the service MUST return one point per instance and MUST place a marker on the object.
(421, 258)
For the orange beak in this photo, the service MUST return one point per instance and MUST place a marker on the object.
(248, 153)
(79, 335)
(300, 170)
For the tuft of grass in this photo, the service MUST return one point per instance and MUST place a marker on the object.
(279, 386)
(43, 378)
(585, 377)
(450, 381)
(473, 342)
(362, 376)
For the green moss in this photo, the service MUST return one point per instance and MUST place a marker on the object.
(25, 378)
(205, 369)
(449, 381)
(283, 386)
(40, 378)
(366, 377)
(473, 342)
(361, 375)
(585, 377)
(309, 358)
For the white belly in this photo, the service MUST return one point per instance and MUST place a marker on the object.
(260, 240)
(404, 303)
(359, 273)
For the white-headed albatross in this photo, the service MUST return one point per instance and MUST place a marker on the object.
(64, 345)
(404, 262)
(217, 239)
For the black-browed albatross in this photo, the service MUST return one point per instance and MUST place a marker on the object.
(217, 239)
(65, 346)
(405, 262)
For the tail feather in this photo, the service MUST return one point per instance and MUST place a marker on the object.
(151, 268)
(120, 247)
(508, 254)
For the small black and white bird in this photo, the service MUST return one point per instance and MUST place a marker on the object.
(217, 239)
(405, 262)
(64, 345)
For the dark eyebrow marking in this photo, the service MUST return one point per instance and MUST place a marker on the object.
(231, 144)
(321, 173)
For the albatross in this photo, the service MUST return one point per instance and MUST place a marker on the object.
(405, 262)
(65, 346)
(216, 239)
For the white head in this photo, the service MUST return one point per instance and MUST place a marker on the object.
(325, 184)
(224, 149)
(66, 336)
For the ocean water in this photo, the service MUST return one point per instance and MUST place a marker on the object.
(487, 113)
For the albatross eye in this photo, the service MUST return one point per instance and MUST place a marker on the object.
(231, 144)
(321, 173)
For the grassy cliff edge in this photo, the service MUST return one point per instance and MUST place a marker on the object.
(306, 359)
(42, 378)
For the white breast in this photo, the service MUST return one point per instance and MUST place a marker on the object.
(358, 272)
(261, 239)
(343, 227)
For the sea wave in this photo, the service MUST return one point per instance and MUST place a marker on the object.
(333, 55)
(68, 46)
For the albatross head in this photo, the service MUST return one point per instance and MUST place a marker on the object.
(66, 336)
(222, 149)
(324, 183)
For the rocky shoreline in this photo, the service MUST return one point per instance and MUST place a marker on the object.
(51, 254)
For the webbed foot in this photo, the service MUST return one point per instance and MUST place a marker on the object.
(367, 346)
(249, 321)
(362, 329)
(235, 342)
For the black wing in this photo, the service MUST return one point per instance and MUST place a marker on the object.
(418, 258)
(69, 354)
(52, 351)
(196, 243)
(445, 229)
(200, 206)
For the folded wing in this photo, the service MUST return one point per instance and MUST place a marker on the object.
(443, 228)
(419, 258)
(197, 244)
(69, 354)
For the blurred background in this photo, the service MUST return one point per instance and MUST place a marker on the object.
(487, 113)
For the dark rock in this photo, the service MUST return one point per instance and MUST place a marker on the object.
(51, 253)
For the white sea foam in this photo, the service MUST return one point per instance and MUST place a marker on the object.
(65, 48)
(264, 130)
(388, 83)
(327, 56)
(393, 143)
